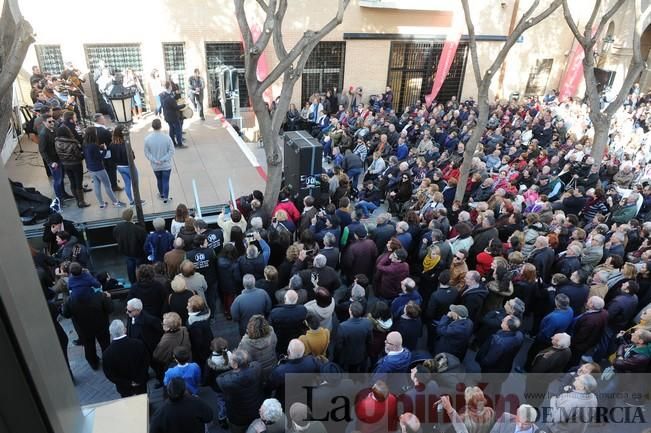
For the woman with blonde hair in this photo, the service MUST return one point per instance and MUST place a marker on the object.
(177, 301)
(475, 416)
(194, 281)
(175, 335)
(281, 221)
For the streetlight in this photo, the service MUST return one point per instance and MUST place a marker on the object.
(122, 103)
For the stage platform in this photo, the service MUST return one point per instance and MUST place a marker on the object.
(213, 154)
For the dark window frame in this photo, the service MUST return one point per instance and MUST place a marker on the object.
(322, 61)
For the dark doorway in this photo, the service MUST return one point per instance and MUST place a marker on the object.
(412, 67)
(228, 54)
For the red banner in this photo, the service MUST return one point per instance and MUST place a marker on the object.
(573, 74)
(445, 62)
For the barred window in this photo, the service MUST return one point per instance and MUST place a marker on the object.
(117, 57)
(174, 60)
(324, 69)
(225, 54)
(412, 68)
(50, 59)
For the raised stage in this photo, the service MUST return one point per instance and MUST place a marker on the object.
(214, 154)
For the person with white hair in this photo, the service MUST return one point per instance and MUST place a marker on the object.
(588, 328)
(571, 408)
(321, 275)
(523, 421)
(554, 359)
(143, 325)
(126, 362)
(272, 419)
(250, 302)
(287, 320)
(296, 362)
(158, 242)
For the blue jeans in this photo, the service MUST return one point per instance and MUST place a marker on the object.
(126, 177)
(176, 132)
(101, 178)
(57, 180)
(354, 174)
(158, 105)
(163, 182)
(368, 207)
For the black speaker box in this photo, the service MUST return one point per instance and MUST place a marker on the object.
(302, 164)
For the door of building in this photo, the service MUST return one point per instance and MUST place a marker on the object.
(412, 67)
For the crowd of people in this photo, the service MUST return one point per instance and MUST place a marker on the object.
(548, 253)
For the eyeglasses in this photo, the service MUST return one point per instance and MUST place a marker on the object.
(129, 311)
(458, 258)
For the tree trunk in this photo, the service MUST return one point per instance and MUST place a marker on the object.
(471, 145)
(600, 141)
(274, 175)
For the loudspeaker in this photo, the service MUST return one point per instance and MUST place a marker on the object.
(302, 164)
(604, 78)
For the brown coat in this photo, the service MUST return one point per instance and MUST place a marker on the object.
(170, 340)
(172, 260)
(458, 275)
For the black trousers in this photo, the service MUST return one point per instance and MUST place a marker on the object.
(197, 101)
(88, 339)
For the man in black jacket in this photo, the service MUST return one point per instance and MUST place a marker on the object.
(131, 242)
(172, 115)
(287, 320)
(352, 340)
(55, 224)
(181, 413)
(142, 325)
(542, 257)
(126, 362)
(90, 311)
(46, 148)
(242, 389)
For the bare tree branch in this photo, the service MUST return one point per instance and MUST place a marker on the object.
(606, 17)
(634, 69)
(263, 5)
(571, 24)
(307, 38)
(279, 43)
(472, 44)
(267, 28)
(243, 23)
(587, 31)
(525, 23)
(14, 54)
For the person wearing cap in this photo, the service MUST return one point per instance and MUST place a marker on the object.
(131, 239)
(359, 257)
(453, 332)
(391, 269)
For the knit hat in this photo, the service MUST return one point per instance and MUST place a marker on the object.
(461, 310)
